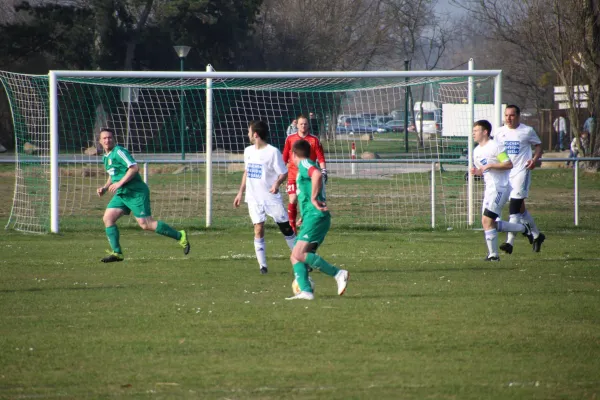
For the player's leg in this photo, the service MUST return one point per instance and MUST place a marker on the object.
(280, 216)
(292, 204)
(519, 183)
(537, 238)
(297, 258)
(139, 203)
(488, 222)
(114, 210)
(258, 217)
(313, 231)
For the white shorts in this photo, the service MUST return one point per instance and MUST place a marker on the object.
(495, 199)
(520, 183)
(259, 212)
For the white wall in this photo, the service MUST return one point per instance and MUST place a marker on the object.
(455, 118)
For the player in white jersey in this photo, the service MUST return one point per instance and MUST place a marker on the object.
(492, 162)
(264, 172)
(517, 139)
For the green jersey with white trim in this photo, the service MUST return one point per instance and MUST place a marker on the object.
(116, 163)
(306, 168)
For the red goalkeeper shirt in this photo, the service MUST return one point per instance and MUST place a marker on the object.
(316, 153)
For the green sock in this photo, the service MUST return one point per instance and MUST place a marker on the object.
(318, 263)
(301, 274)
(166, 230)
(112, 233)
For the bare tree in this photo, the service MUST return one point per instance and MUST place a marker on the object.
(319, 35)
(562, 35)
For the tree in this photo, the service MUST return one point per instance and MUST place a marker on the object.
(563, 35)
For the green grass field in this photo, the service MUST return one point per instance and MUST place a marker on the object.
(423, 317)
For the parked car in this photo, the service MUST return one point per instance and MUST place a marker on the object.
(432, 121)
(356, 125)
(397, 125)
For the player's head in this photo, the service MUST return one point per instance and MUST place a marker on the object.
(482, 130)
(512, 115)
(258, 128)
(107, 139)
(302, 125)
(301, 150)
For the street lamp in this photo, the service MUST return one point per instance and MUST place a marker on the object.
(182, 52)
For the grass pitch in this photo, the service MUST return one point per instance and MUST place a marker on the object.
(423, 316)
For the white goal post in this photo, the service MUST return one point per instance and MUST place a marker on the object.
(218, 106)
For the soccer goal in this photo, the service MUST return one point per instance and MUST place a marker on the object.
(188, 131)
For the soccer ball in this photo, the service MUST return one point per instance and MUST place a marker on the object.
(296, 288)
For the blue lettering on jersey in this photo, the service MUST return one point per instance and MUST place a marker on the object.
(483, 161)
(512, 146)
(254, 171)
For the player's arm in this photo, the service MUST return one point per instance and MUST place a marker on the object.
(286, 151)
(131, 172)
(537, 154)
(321, 159)
(316, 179)
(280, 179)
(102, 189)
(281, 169)
(238, 198)
(503, 164)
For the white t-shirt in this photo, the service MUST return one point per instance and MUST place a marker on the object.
(263, 167)
(492, 153)
(517, 144)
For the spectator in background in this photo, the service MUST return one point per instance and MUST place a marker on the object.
(314, 124)
(560, 127)
(588, 125)
(575, 146)
(293, 128)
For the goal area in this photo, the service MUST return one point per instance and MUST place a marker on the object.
(188, 130)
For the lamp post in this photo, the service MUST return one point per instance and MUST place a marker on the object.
(182, 52)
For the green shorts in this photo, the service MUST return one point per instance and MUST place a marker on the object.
(137, 202)
(314, 228)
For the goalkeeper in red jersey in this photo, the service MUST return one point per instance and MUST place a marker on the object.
(316, 154)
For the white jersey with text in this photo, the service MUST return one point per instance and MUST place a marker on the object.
(517, 143)
(263, 167)
(492, 153)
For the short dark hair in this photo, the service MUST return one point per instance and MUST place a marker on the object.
(301, 148)
(517, 109)
(260, 128)
(485, 125)
(107, 130)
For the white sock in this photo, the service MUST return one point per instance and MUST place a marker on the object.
(529, 219)
(290, 240)
(261, 251)
(491, 239)
(503, 226)
(515, 219)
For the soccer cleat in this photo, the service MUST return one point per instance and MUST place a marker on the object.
(492, 258)
(507, 248)
(537, 242)
(302, 296)
(112, 257)
(342, 280)
(183, 242)
(264, 270)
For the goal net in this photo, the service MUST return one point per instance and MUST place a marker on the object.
(188, 133)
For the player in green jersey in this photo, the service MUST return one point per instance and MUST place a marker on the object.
(131, 194)
(316, 221)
